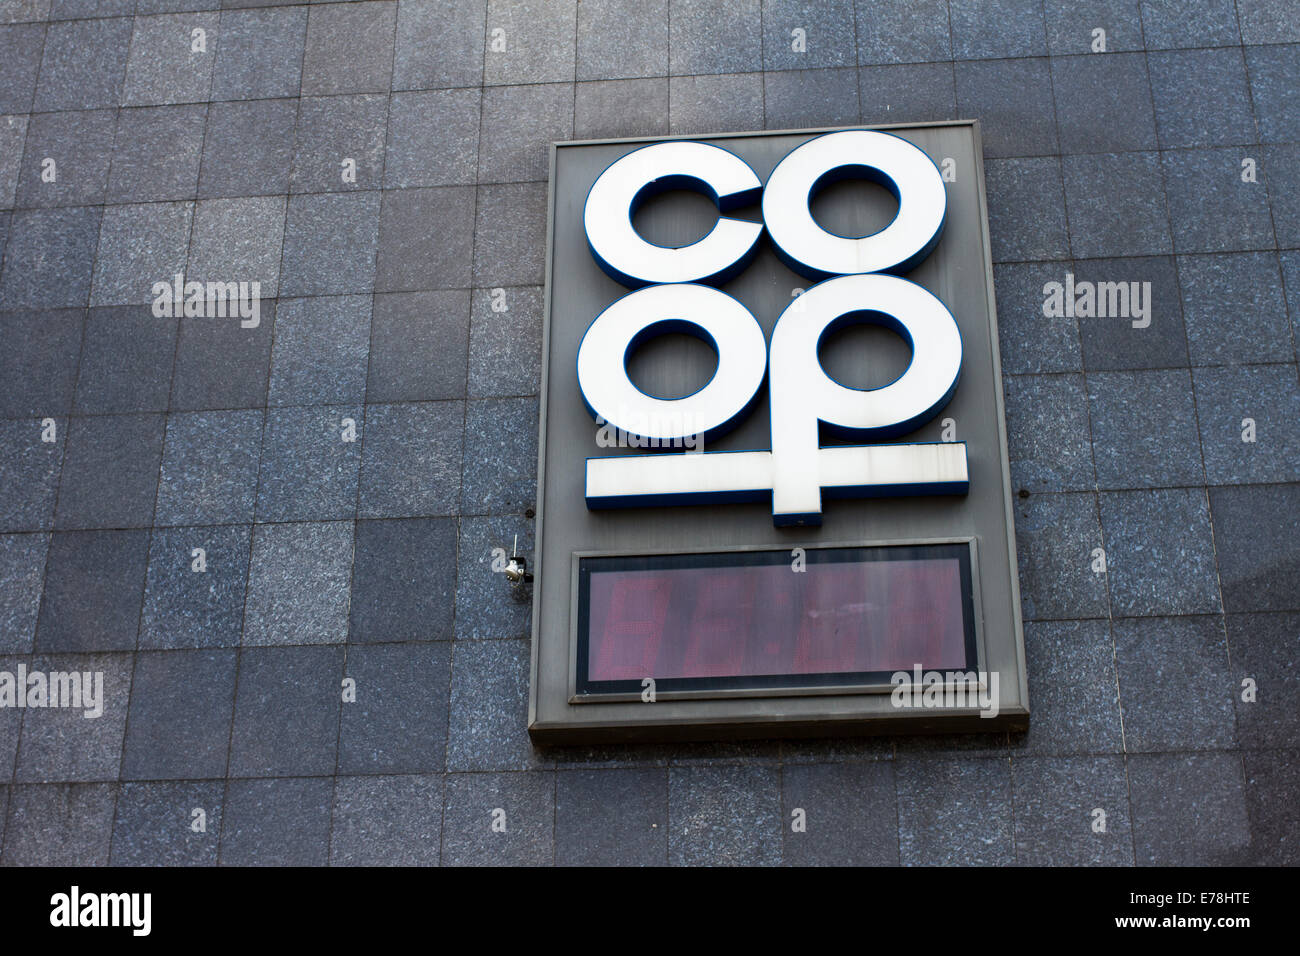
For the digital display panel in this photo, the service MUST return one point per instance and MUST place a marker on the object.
(773, 619)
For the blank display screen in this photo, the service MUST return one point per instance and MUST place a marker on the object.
(771, 619)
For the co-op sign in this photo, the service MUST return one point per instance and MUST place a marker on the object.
(666, 569)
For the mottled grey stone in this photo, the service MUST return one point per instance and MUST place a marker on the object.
(1201, 97)
(849, 811)
(1013, 100)
(139, 245)
(607, 109)
(424, 239)
(510, 235)
(13, 133)
(387, 821)
(499, 819)
(1188, 809)
(81, 145)
(500, 456)
(83, 64)
(715, 104)
(404, 580)
(539, 41)
(332, 129)
(349, 48)
(489, 708)
(260, 53)
(432, 138)
(1234, 309)
(156, 153)
(1116, 205)
(954, 811)
(1026, 206)
(209, 468)
(164, 67)
(222, 364)
(110, 473)
(795, 99)
(1272, 778)
(828, 34)
(439, 44)
(1076, 705)
(518, 126)
(286, 711)
(418, 346)
(249, 149)
(505, 348)
(1055, 538)
(310, 463)
(1283, 165)
(320, 351)
(1030, 341)
(126, 363)
(39, 361)
(67, 824)
(1210, 208)
(49, 258)
(412, 459)
(1159, 552)
(1274, 73)
(1263, 648)
(1269, 21)
(1112, 341)
(398, 722)
(181, 708)
(29, 473)
(724, 816)
(1188, 23)
(996, 29)
(277, 822)
(61, 743)
(1055, 801)
(902, 31)
(22, 575)
(184, 607)
(617, 40)
(154, 824)
(1270, 397)
(20, 57)
(611, 818)
(1047, 432)
(1103, 103)
(487, 605)
(1070, 24)
(329, 244)
(298, 584)
(1258, 570)
(238, 240)
(92, 591)
(1144, 429)
(907, 92)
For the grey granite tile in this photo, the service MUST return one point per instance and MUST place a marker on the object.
(59, 825)
(68, 744)
(1269, 21)
(1271, 780)
(1047, 432)
(286, 711)
(954, 811)
(996, 29)
(110, 472)
(1210, 208)
(404, 580)
(618, 39)
(489, 708)
(1055, 539)
(13, 134)
(500, 456)
(1116, 205)
(1113, 340)
(222, 364)
(424, 239)
(126, 363)
(1013, 100)
(509, 235)
(398, 722)
(902, 31)
(168, 64)
(1188, 809)
(715, 104)
(1263, 649)
(1283, 166)
(20, 58)
(1144, 429)
(1070, 25)
(24, 11)
(505, 347)
(143, 169)
(714, 36)
(1056, 821)
(39, 361)
(139, 245)
(608, 109)
(518, 126)
(155, 824)
(22, 575)
(83, 64)
(1175, 684)
(298, 586)
(1258, 572)
(907, 92)
(349, 48)
(195, 600)
(1291, 279)
(332, 130)
(1159, 552)
(49, 258)
(847, 814)
(1030, 341)
(277, 822)
(238, 240)
(613, 817)
(418, 346)
(1103, 103)
(1269, 396)
(320, 351)
(1076, 703)
(454, 28)
(260, 54)
(487, 606)
(79, 9)
(175, 734)
(249, 148)
(79, 145)
(412, 459)
(797, 99)
(93, 588)
(724, 816)
(432, 138)
(499, 819)
(387, 820)
(529, 42)
(29, 472)
(1188, 23)
(828, 37)
(329, 244)
(1201, 97)
(1026, 205)
(1234, 309)
(310, 460)
(11, 723)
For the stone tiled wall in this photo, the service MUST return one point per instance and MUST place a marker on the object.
(370, 559)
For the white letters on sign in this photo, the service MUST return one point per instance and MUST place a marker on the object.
(855, 287)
